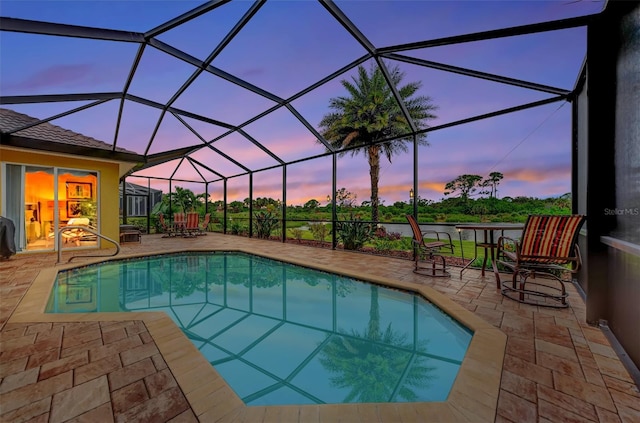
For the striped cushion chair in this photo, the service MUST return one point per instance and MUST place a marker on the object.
(192, 225)
(545, 252)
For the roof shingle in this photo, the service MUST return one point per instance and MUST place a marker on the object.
(11, 120)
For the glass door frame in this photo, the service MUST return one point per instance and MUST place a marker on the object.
(48, 232)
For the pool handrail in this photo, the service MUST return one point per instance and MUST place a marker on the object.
(87, 229)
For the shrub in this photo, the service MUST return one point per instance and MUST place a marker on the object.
(266, 222)
(405, 243)
(354, 233)
(236, 228)
(296, 233)
(383, 244)
(319, 231)
(386, 241)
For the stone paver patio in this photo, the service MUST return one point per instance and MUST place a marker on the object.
(556, 368)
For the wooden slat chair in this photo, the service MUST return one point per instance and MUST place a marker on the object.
(204, 226)
(428, 260)
(192, 225)
(167, 229)
(545, 252)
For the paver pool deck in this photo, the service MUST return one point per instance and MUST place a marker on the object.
(531, 364)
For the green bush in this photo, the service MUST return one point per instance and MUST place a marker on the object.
(354, 233)
(236, 228)
(319, 231)
(266, 222)
(405, 243)
(296, 233)
(384, 244)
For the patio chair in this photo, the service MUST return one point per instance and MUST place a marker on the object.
(192, 225)
(179, 222)
(204, 226)
(546, 251)
(427, 257)
(167, 228)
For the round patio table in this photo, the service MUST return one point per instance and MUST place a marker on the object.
(488, 242)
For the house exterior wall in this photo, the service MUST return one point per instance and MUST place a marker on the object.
(108, 174)
(609, 181)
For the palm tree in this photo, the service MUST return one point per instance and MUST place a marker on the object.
(186, 199)
(371, 114)
(492, 183)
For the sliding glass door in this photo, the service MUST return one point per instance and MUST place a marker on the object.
(40, 200)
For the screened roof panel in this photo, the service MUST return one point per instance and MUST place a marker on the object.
(206, 174)
(187, 171)
(217, 162)
(207, 131)
(162, 170)
(283, 49)
(291, 33)
(172, 134)
(201, 35)
(244, 151)
(460, 97)
(214, 97)
(47, 110)
(130, 15)
(283, 134)
(159, 76)
(136, 126)
(98, 122)
(550, 58)
(62, 65)
(424, 20)
(314, 105)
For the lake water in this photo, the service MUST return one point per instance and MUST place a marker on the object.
(467, 235)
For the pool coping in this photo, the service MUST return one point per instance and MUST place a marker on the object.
(473, 396)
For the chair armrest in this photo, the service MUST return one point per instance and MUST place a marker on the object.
(507, 246)
(443, 237)
(436, 234)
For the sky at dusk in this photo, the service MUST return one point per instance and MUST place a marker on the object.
(286, 47)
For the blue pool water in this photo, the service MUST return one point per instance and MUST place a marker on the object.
(282, 334)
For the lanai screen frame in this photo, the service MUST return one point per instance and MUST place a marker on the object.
(372, 53)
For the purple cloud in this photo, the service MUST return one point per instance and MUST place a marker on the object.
(56, 76)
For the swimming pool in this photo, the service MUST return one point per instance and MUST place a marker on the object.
(280, 333)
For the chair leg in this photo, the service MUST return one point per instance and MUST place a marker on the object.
(521, 292)
(437, 266)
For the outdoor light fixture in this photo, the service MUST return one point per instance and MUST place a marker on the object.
(411, 193)
(328, 198)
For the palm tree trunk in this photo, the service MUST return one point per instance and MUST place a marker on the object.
(374, 173)
(374, 315)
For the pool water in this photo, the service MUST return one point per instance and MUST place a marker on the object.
(281, 334)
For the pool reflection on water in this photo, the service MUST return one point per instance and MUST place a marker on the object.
(282, 334)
